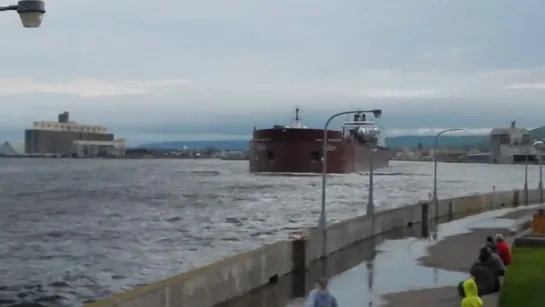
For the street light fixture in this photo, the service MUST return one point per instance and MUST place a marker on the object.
(434, 199)
(31, 12)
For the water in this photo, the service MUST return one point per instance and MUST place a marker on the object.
(76, 230)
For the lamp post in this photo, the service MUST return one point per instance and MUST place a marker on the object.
(322, 223)
(370, 201)
(31, 12)
(434, 197)
(526, 175)
(540, 147)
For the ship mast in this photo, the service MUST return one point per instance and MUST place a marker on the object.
(297, 123)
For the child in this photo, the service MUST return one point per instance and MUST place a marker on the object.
(320, 297)
(470, 294)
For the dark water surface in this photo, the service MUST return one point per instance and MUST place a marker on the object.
(77, 230)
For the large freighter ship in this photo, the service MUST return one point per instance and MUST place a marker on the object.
(298, 149)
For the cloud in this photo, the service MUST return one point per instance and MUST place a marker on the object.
(526, 86)
(214, 67)
(85, 87)
(456, 52)
(395, 93)
(435, 131)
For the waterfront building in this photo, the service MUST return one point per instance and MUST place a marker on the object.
(512, 145)
(68, 138)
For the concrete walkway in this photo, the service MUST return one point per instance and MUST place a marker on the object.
(419, 272)
(454, 253)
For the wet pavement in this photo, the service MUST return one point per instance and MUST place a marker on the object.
(282, 292)
(421, 271)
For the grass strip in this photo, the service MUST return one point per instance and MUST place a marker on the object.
(524, 283)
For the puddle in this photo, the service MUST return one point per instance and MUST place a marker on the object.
(364, 272)
(285, 289)
(394, 269)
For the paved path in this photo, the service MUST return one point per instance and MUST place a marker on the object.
(417, 272)
(455, 253)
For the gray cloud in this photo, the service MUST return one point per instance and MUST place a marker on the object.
(213, 67)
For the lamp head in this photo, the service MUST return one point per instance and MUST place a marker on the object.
(377, 113)
(31, 12)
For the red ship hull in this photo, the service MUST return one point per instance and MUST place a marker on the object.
(300, 151)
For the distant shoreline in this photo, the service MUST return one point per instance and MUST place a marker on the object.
(113, 158)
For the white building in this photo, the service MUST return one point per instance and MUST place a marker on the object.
(512, 145)
(12, 149)
(88, 149)
(69, 138)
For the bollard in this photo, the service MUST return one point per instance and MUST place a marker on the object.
(299, 259)
(493, 198)
(451, 210)
(425, 219)
(516, 198)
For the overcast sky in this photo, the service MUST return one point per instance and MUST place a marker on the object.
(166, 69)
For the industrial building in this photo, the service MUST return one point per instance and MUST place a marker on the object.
(512, 145)
(68, 138)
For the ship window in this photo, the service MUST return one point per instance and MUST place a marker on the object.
(315, 156)
(270, 155)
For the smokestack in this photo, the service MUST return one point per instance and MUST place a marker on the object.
(64, 117)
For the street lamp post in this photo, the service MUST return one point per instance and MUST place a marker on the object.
(526, 175)
(540, 147)
(322, 223)
(370, 201)
(434, 199)
(31, 12)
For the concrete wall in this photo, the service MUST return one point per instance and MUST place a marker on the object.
(237, 275)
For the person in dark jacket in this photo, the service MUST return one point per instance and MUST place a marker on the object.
(484, 277)
(487, 271)
(490, 259)
(495, 258)
(490, 243)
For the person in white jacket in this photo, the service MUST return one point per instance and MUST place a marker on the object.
(320, 296)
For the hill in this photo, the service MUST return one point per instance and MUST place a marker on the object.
(538, 133)
(223, 144)
(411, 141)
(396, 142)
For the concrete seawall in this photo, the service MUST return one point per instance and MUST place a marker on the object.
(242, 273)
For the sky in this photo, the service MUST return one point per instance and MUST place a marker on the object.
(213, 69)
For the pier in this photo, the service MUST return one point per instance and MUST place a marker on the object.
(243, 274)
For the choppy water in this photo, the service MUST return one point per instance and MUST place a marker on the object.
(77, 230)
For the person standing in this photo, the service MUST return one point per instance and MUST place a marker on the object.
(490, 243)
(504, 251)
(320, 296)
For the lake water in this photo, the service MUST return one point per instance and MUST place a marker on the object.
(77, 230)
